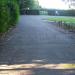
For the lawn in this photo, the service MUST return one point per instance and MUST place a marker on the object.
(64, 22)
(63, 19)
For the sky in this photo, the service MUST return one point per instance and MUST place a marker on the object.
(54, 4)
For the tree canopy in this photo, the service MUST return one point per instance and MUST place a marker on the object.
(28, 4)
(71, 3)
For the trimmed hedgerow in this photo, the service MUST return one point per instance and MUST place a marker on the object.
(14, 12)
(4, 16)
(9, 13)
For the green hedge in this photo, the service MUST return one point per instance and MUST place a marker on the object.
(9, 14)
(14, 12)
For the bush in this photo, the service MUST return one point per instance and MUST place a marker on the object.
(8, 14)
(14, 12)
(4, 17)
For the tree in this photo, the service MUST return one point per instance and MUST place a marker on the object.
(28, 4)
(71, 3)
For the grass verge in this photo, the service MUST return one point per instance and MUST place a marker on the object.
(65, 22)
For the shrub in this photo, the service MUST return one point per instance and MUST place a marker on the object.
(8, 14)
(4, 17)
(14, 12)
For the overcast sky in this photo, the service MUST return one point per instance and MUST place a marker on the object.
(55, 4)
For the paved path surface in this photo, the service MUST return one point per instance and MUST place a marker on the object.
(36, 41)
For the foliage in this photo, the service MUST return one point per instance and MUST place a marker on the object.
(8, 14)
(14, 12)
(71, 3)
(28, 4)
(4, 16)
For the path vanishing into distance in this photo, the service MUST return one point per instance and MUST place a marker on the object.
(34, 43)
